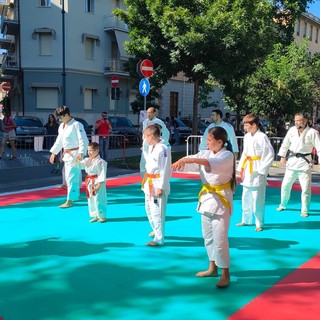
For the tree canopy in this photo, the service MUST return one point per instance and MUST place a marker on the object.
(225, 40)
(286, 83)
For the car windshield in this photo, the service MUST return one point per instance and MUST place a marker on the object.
(28, 122)
(180, 123)
(120, 122)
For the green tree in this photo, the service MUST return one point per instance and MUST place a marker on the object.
(286, 83)
(222, 39)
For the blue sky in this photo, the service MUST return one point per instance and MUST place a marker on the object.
(315, 8)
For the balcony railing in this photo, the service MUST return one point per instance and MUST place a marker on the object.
(10, 64)
(114, 66)
(111, 23)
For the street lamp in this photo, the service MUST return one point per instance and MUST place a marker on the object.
(63, 56)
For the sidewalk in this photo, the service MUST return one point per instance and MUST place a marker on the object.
(46, 174)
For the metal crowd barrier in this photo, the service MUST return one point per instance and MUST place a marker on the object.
(33, 151)
(193, 142)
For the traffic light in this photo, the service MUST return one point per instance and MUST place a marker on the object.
(115, 93)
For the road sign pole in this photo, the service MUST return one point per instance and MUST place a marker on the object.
(145, 103)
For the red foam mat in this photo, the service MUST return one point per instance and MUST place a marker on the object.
(297, 296)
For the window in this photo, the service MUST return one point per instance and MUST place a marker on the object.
(305, 30)
(88, 99)
(317, 36)
(90, 43)
(45, 40)
(298, 27)
(89, 46)
(310, 32)
(45, 3)
(174, 98)
(45, 44)
(47, 98)
(89, 6)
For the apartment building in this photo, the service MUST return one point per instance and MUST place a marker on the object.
(308, 26)
(65, 52)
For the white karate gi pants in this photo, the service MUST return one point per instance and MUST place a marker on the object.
(253, 203)
(156, 213)
(72, 175)
(290, 177)
(215, 234)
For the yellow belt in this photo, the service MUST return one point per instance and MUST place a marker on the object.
(148, 177)
(250, 159)
(208, 188)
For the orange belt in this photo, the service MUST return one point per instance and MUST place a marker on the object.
(250, 159)
(148, 177)
(88, 179)
(69, 150)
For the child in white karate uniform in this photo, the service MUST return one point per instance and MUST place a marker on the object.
(96, 169)
(156, 182)
(217, 172)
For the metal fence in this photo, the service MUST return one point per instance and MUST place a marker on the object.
(33, 151)
(194, 141)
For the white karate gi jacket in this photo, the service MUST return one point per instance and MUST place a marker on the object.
(302, 143)
(256, 145)
(221, 170)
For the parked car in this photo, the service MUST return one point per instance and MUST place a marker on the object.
(88, 128)
(122, 126)
(27, 127)
(183, 129)
(202, 125)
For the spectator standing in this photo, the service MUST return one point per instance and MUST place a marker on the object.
(217, 121)
(73, 140)
(295, 153)
(51, 130)
(9, 127)
(217, 172)
(103, 127)
(156, 182)
(96, 169)
(255, 161)
(227, 117)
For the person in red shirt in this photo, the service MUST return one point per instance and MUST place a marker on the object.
(103, 127)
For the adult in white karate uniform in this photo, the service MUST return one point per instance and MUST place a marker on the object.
(96, 169)
(297, 146)
(217, 121)
(217, 172)
(254, 165)
(156, 183)
(72, 141)
(165, 134)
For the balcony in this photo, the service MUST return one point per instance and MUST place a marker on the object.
(10, 65)
(6, 44)
(115, 67)
(111, 23)
(9, 20)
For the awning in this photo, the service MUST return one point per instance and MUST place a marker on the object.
(90, 36)
(43, 30)
(121, 38)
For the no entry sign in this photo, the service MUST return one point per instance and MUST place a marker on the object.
(6, 86)
(146, 68)
(114, 81)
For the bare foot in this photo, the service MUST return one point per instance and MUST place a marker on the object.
(67, 204)
(258, 229)
(151, 234)
(152, 244)
(207, 273)
(223, 282)
(102, 220)
(240, 224)
(95, 219)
